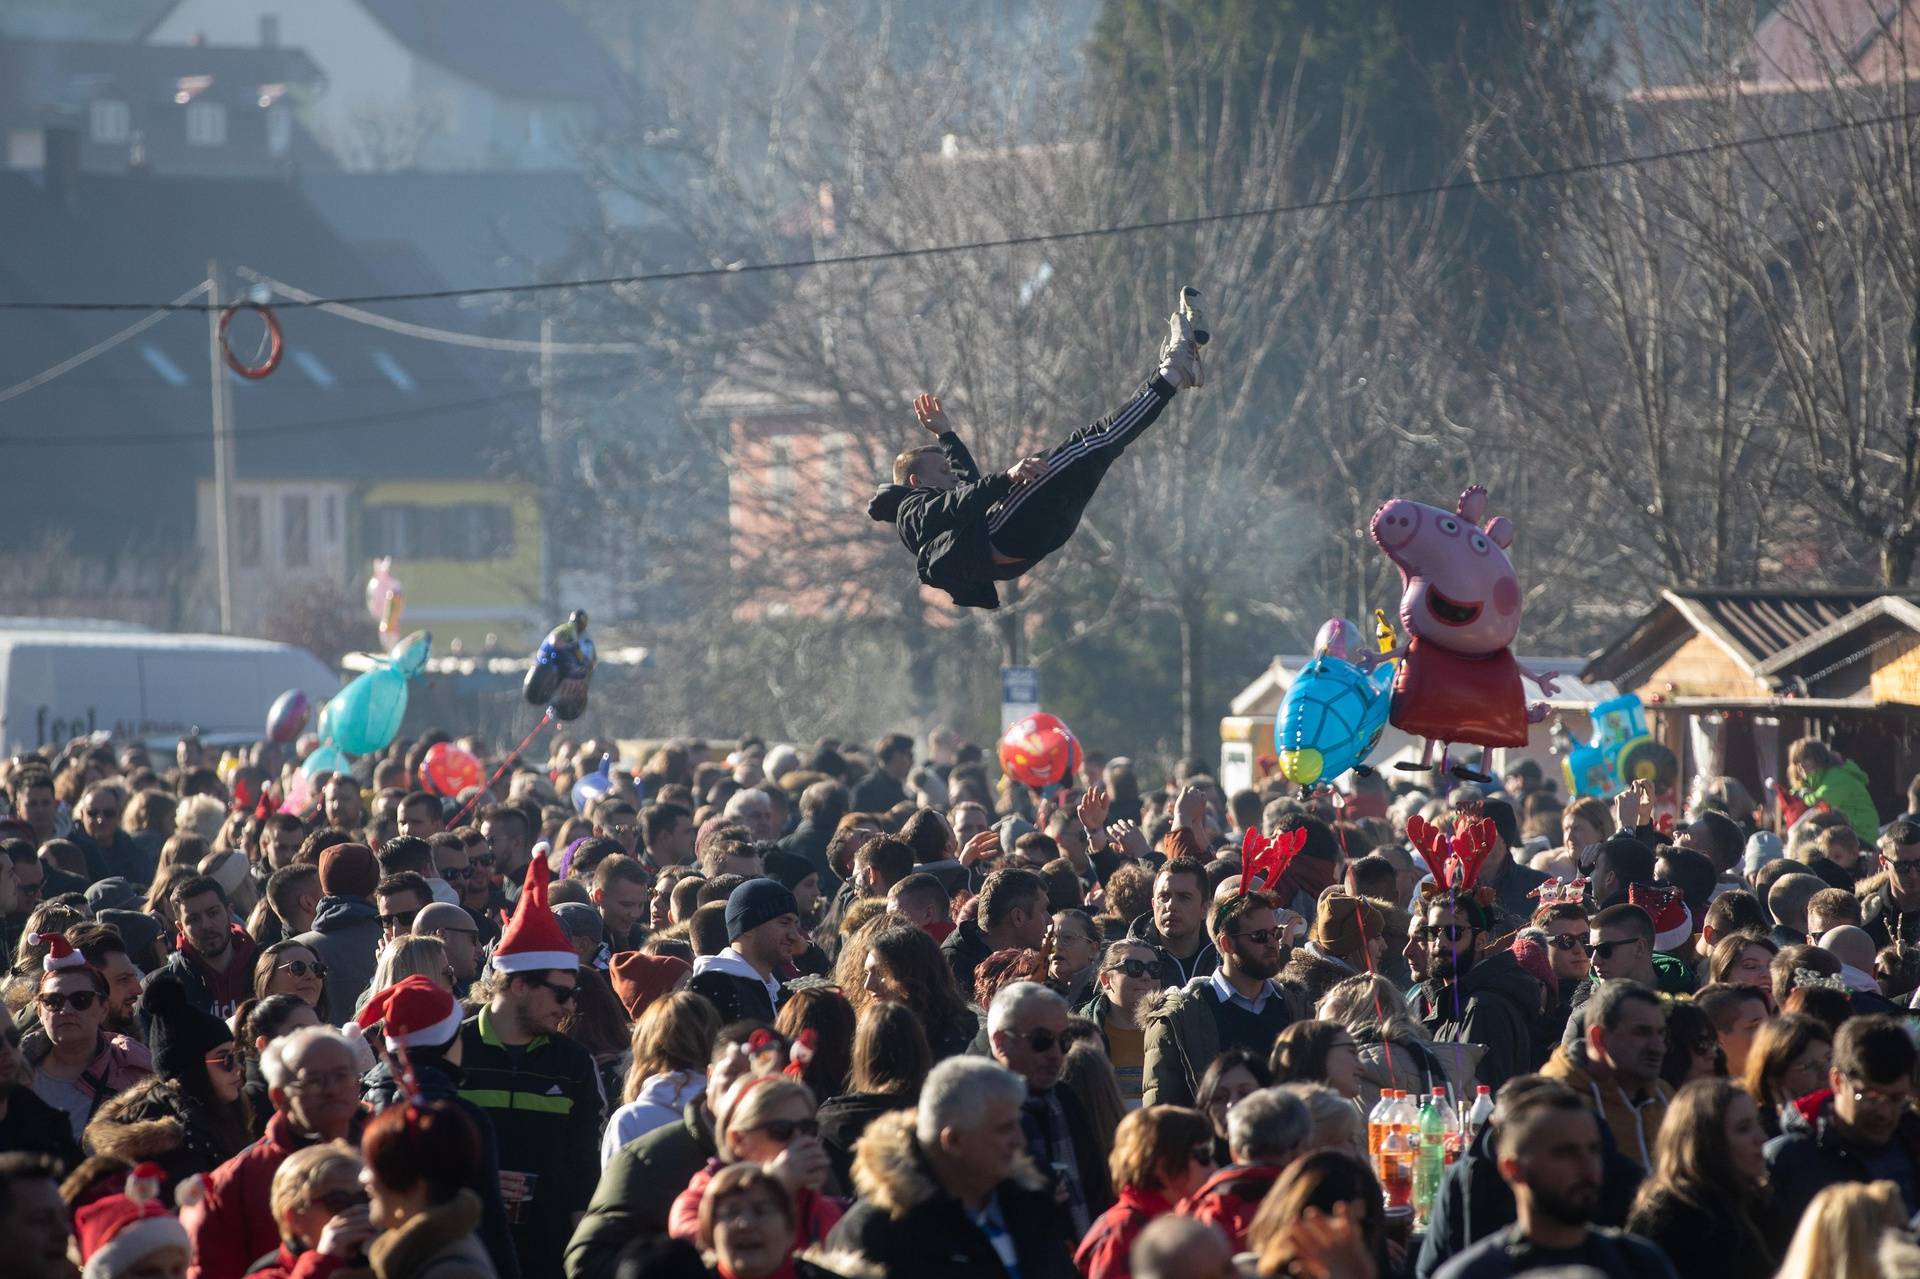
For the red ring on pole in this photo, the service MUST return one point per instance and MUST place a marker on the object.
(276, 347)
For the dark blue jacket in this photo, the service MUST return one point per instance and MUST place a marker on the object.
(1811, 1153)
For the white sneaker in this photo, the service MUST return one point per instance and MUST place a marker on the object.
(1180, 355)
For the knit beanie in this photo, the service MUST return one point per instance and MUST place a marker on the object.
(789, 868)
(349, 870)
(1500, 813)
(756, 902)
(1343, 924)
(640, 979)
(1536, 963)
(179, 1034)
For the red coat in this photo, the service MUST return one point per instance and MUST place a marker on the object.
(308, 1265)
(1105, 1252)
(814, 1217)
(1229, 1199)
(234, 1227)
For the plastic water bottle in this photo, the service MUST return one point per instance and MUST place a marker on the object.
(1377, 1125)
(1453, 1131)
(1430, 1156)
(1396, 1168)
(1480, 1115)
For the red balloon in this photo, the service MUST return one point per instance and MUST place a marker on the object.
(448, 770)
(1039, 751)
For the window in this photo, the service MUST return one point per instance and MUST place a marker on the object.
(391, 367)
(464, 531)
(779, 473)
(207, 124)
(332, 524)
(157, 360)
(296, 542)
(246, 531)
(309, 363)
(279, 130)
(108, 120)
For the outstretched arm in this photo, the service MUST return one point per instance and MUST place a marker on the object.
(927, 409)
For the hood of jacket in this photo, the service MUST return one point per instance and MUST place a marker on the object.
(730, 962)
(1143, 929)
(145, 1122)
(891, 1172)
(407, 1251)
(339, 914)
(1501, 974)
(672, 1090)
(968, 941)
(886, 502)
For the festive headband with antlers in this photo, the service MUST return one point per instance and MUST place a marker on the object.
(1266, 859)
(1457, 858)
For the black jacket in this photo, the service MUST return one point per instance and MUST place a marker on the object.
(32, 1127)
(637, 1190)
(1499, 1006)
(1473, 1200)
(906, 1224)
(1705, 1243)
(810, 841)
(844, 1119)
(440, 1081)
(877, 792)
(946, 529)
(1175, 972)
(730, 986)
(547, 1112)
(1811, 1153)
(965, 947)
(1612, 1253)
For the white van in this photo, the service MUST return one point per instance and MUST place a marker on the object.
(62, 678)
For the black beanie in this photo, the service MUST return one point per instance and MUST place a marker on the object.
(756, 902)
(788, 868)
(1500, 813)
(179, 1034)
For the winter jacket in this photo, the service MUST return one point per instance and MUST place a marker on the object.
(946, 529)
(546, 1108)
(1497, 1004)
(1106, 1250)
(1313, 972)
(810, 841)
(1512, 888)
(845, 1119)
(30, 1126)
(1183, 1037)
(346, 937)
(156, 1121)
(965, 948)
(437, 1244)
(1174, 971)
(440, 1081)
(215, 993)
(119, 1065)
(1843, 788)
(236, 1224)
(733, 986)
(1612, 1253)
(121, 857)
(635, 1194)
(1473, 1200)
(1811, 1153)
(906, 1224)
(1704, 1242)
(814, 1214)
(1228, 1200)
(663, 1099)
(1635, 1126)
(284, 1263)
(1881, 915)
(877, 792)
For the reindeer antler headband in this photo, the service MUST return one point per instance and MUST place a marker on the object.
(1455, 859)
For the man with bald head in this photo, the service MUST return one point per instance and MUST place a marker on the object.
(1854, 948)
(1787, 903)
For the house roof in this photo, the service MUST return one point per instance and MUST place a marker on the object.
(1805, 41)
(42, 77)
(521, 48)
(1895, 610)
(1749, 625)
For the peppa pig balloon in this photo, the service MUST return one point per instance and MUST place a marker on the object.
(561, 668)
(1460, 607)
(287, 716)
(386, 599)
(1039, 751)
(448, 770)
(366, 714)
(1334, 710)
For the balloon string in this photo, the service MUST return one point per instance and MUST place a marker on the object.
(1360, 920)
(512, 755)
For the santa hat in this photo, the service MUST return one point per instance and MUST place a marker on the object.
(119, 1231)
(1666, 906)
(416, 1013)
(61, 956)
(533, 939)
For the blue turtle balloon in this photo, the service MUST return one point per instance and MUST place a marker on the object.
(366, 714)
(1334, 711)
(561, 668)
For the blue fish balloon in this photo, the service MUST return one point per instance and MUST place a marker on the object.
(1334, 711)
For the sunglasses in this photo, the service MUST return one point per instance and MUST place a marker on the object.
(1604, 950)
(1258, 936)
(79, 1001)
(451, 873)
(403, 920)
(338, 1201)
(100, 815)
(561, 994)
(300, 967)
(1135, 968)
(1453, 932)
(784, 1130)
(1042, 1041)
(1569, 941)
(1904, 866)
(227, 1060)
(482, 861)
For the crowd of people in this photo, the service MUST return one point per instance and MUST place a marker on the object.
(833, 1010)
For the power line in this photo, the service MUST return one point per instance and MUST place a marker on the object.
(101, 347)
(1353, 200)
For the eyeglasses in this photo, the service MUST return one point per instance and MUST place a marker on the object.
(784, 1130)
(1865, 1096)
(329, 1081)
(338, 1201)
(561, 994)
(1570, 941)
(1203, 1154)
(622, 831)
(1135, 968)
(300, 968)
(100, 815)
(1603, 950)
(1452, 932)
(226, 1060)
(79, 1000)
(1258, 936)
(1042, 1041)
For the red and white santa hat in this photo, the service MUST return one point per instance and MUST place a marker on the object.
(61, 956)
(1666, 905)
(533, 939)
(416, 1013)
(118, 1232)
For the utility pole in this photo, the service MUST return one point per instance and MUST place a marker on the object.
(222, 452)
(550, 447)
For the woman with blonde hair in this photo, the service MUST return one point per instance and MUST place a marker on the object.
(1160, 1156)
(1394, 1048)
(410, 956)
(672, 1043)
(1706, 1203)
(1840, 1234)
(1337, 1122)
(772, 1121)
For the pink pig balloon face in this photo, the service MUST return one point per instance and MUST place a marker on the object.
(1461, 592)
